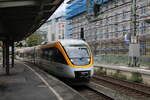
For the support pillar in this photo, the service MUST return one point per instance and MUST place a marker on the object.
(4, 54)
(7, 57)
(12, 53)
(134, 46)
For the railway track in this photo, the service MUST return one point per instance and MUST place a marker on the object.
(138, 87)
(90, 93)
(108, 88)
(129, 89)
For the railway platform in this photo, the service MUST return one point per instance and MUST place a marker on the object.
(143, 72)
(27, 82)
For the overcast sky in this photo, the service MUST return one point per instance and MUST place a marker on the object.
(60, 9)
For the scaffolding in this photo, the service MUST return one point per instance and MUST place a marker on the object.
(92, 4)
(107, 32)
(74, 8)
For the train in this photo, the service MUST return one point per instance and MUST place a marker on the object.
(69, 59)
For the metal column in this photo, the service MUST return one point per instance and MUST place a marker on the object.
(7, 57)
(12, 53)
(134, 47)
(4, 54)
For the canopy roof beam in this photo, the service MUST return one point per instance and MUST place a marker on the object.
(17, 3)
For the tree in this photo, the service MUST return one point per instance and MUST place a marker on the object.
(34, 39)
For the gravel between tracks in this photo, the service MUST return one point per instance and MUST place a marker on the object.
(115, 85)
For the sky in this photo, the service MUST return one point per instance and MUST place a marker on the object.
(60, 9)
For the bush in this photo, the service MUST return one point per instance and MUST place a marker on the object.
(136, 77)
(117, 74)
(101, 71)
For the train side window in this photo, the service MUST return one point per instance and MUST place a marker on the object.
(38, 53)
(53, 54)
(58, 57)
(61, 58)
(43, 54)
(48, 53)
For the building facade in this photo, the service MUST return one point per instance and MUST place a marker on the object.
(43, 31)
(108, 25)
(56, 28)
(75, 15)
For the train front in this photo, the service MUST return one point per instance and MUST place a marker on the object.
(80, 60)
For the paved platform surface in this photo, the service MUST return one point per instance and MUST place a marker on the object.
(25, 83)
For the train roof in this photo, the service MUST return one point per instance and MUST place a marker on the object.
(72, 42)
(65, 42)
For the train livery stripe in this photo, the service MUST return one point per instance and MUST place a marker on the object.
(58, 45)
(61, 49)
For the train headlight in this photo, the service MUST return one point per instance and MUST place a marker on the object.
(71, 60)
(88, 59)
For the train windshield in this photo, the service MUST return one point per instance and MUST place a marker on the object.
(78, 54)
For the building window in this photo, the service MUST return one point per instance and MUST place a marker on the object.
(143, 10)
(143, 28)
(116, 28)
(116, 18)
(53, 37)
(123, 15)
(123, 27)
(123, 1)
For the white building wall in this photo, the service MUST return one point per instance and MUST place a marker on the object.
(56, 29)
(113, 23)
(51, 31)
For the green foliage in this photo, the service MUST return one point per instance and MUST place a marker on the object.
(145, 61)
(18, 44)
(1, 43)
(0, 49)
(34, 39)
(117, 74)
(101, 71)
(136, 77)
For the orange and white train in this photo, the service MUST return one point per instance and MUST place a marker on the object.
(69, 59)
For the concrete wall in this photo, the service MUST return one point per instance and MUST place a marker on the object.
(128, 74)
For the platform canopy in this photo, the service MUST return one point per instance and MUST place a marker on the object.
(20, 18)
